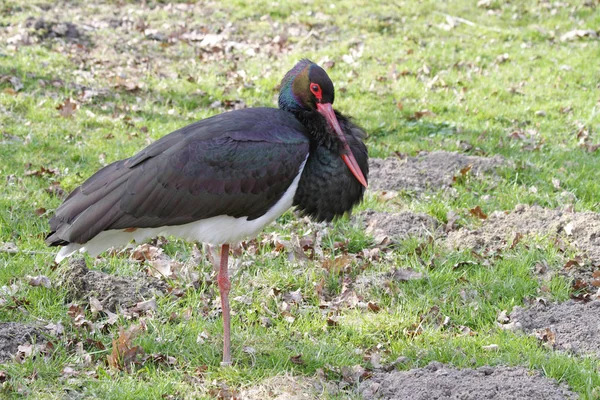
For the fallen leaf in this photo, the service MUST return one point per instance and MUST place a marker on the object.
(478, 212)
(297, 359)
(465, 170)
(77, 315)
(145, 252)
(39, 280)
(124, 355)
(406, 274)
(41, 171)
(55, 329)
(516, 240)
(355, 374)
(55, 190)
(157, 358)
(339, 263)
(420, 114)
(293, 297)
(95, 305)
(575, 262)
(547, 336)
(578, 34)
(68, 108)
(69, 372)
(148, 305)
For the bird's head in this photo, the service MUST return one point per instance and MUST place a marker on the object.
(306, 88)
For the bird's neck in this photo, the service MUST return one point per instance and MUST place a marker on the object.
(319, 131)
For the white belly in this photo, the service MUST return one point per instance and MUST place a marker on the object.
(215, 230)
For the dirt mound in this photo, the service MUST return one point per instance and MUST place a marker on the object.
(570, 326)
(53, 29)
(578, 229)
(287, 388)
(437, 381)
(15, 334)
(399, 226)
(112, 292)
(434, 170)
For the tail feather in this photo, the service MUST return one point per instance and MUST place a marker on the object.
(90, 208)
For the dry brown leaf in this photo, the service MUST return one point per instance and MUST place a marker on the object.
(355, 374)
(55, 190)
(573, 263)
(420, 114)
(297, 359)
(147, 305)
(339, 263)
(478, 212)
(124, 355)
(68, 108)
(373, 307)
(55, 329)
(39, 280)
(77, 314)
(95, 305)
(464, 171)
(406, 274)
(41, 171)
(293, 297)
(145, 252)
(288, 317)
(516, 240)
(546, 335)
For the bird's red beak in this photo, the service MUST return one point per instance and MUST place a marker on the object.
(326, 110)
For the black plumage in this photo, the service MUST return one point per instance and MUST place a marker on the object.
(224, 178)
(237, 164)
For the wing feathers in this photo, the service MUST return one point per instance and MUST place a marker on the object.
(237, 164)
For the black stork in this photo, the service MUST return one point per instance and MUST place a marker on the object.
(223, 179)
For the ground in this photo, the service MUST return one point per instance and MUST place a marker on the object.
(471, 269)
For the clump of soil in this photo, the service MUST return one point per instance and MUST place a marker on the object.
(578, 229)
(15, 334)
(112, 291)
(287, 388)
(399, 226)
(52, 29)
(570, 326)
(433, 171)
(438, 381)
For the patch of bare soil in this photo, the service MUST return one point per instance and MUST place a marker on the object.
(441, 382)
(501, 229)
(52, 29)
(570, 326)
(581, 229)
(287, 388)
(399, 226)
(434, 170)
(15, 334)
(112, 292)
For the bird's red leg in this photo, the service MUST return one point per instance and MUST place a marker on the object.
(224, 286)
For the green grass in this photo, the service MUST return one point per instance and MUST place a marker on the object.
(407, 59)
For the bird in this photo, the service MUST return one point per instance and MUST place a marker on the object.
(221, 180)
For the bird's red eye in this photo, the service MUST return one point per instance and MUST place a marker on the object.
(316, 90)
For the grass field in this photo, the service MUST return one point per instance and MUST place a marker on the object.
(518, 79)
